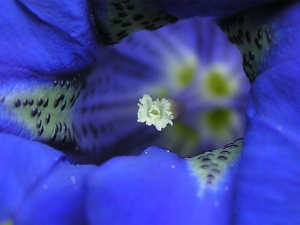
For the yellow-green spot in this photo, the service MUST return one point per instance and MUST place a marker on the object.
(154, 112)
(7, 222)
(183, 73)
(218, 85)
(218, 119)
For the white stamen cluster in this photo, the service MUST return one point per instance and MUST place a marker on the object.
(155, 113)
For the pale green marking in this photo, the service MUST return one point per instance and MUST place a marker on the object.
(7, 222)
(210, 167)
(47, 114)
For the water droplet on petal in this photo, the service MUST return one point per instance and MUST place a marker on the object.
(73, 180)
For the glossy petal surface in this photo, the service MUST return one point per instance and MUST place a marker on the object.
(59, 198)
(268, 184)
(20, 172)
(267, 181)
(158, 187)
(49, 37)
(39, 185)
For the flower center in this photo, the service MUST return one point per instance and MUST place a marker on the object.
(157, 113)
(154, 112)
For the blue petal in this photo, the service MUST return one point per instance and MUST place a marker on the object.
(58, 198)
(23, 164)
(268, 178)
(46, 37)
(157, 187)
(268, 181)
(38, 185)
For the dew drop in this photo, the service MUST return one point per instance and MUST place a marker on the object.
(73, 180)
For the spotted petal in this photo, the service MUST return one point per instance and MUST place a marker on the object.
(268, 179)
(116, 19)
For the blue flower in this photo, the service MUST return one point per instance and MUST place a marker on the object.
(41, 102)
(201, 73)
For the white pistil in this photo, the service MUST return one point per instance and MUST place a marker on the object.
(155, 113)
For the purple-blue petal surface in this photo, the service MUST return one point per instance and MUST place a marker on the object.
(268, 176)
(268, 181)
(23, 165)
(38, 185)
(59, 198)
(158, 187)
(46, 37)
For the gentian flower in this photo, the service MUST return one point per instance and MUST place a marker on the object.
(201, 74)
(157, 187)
